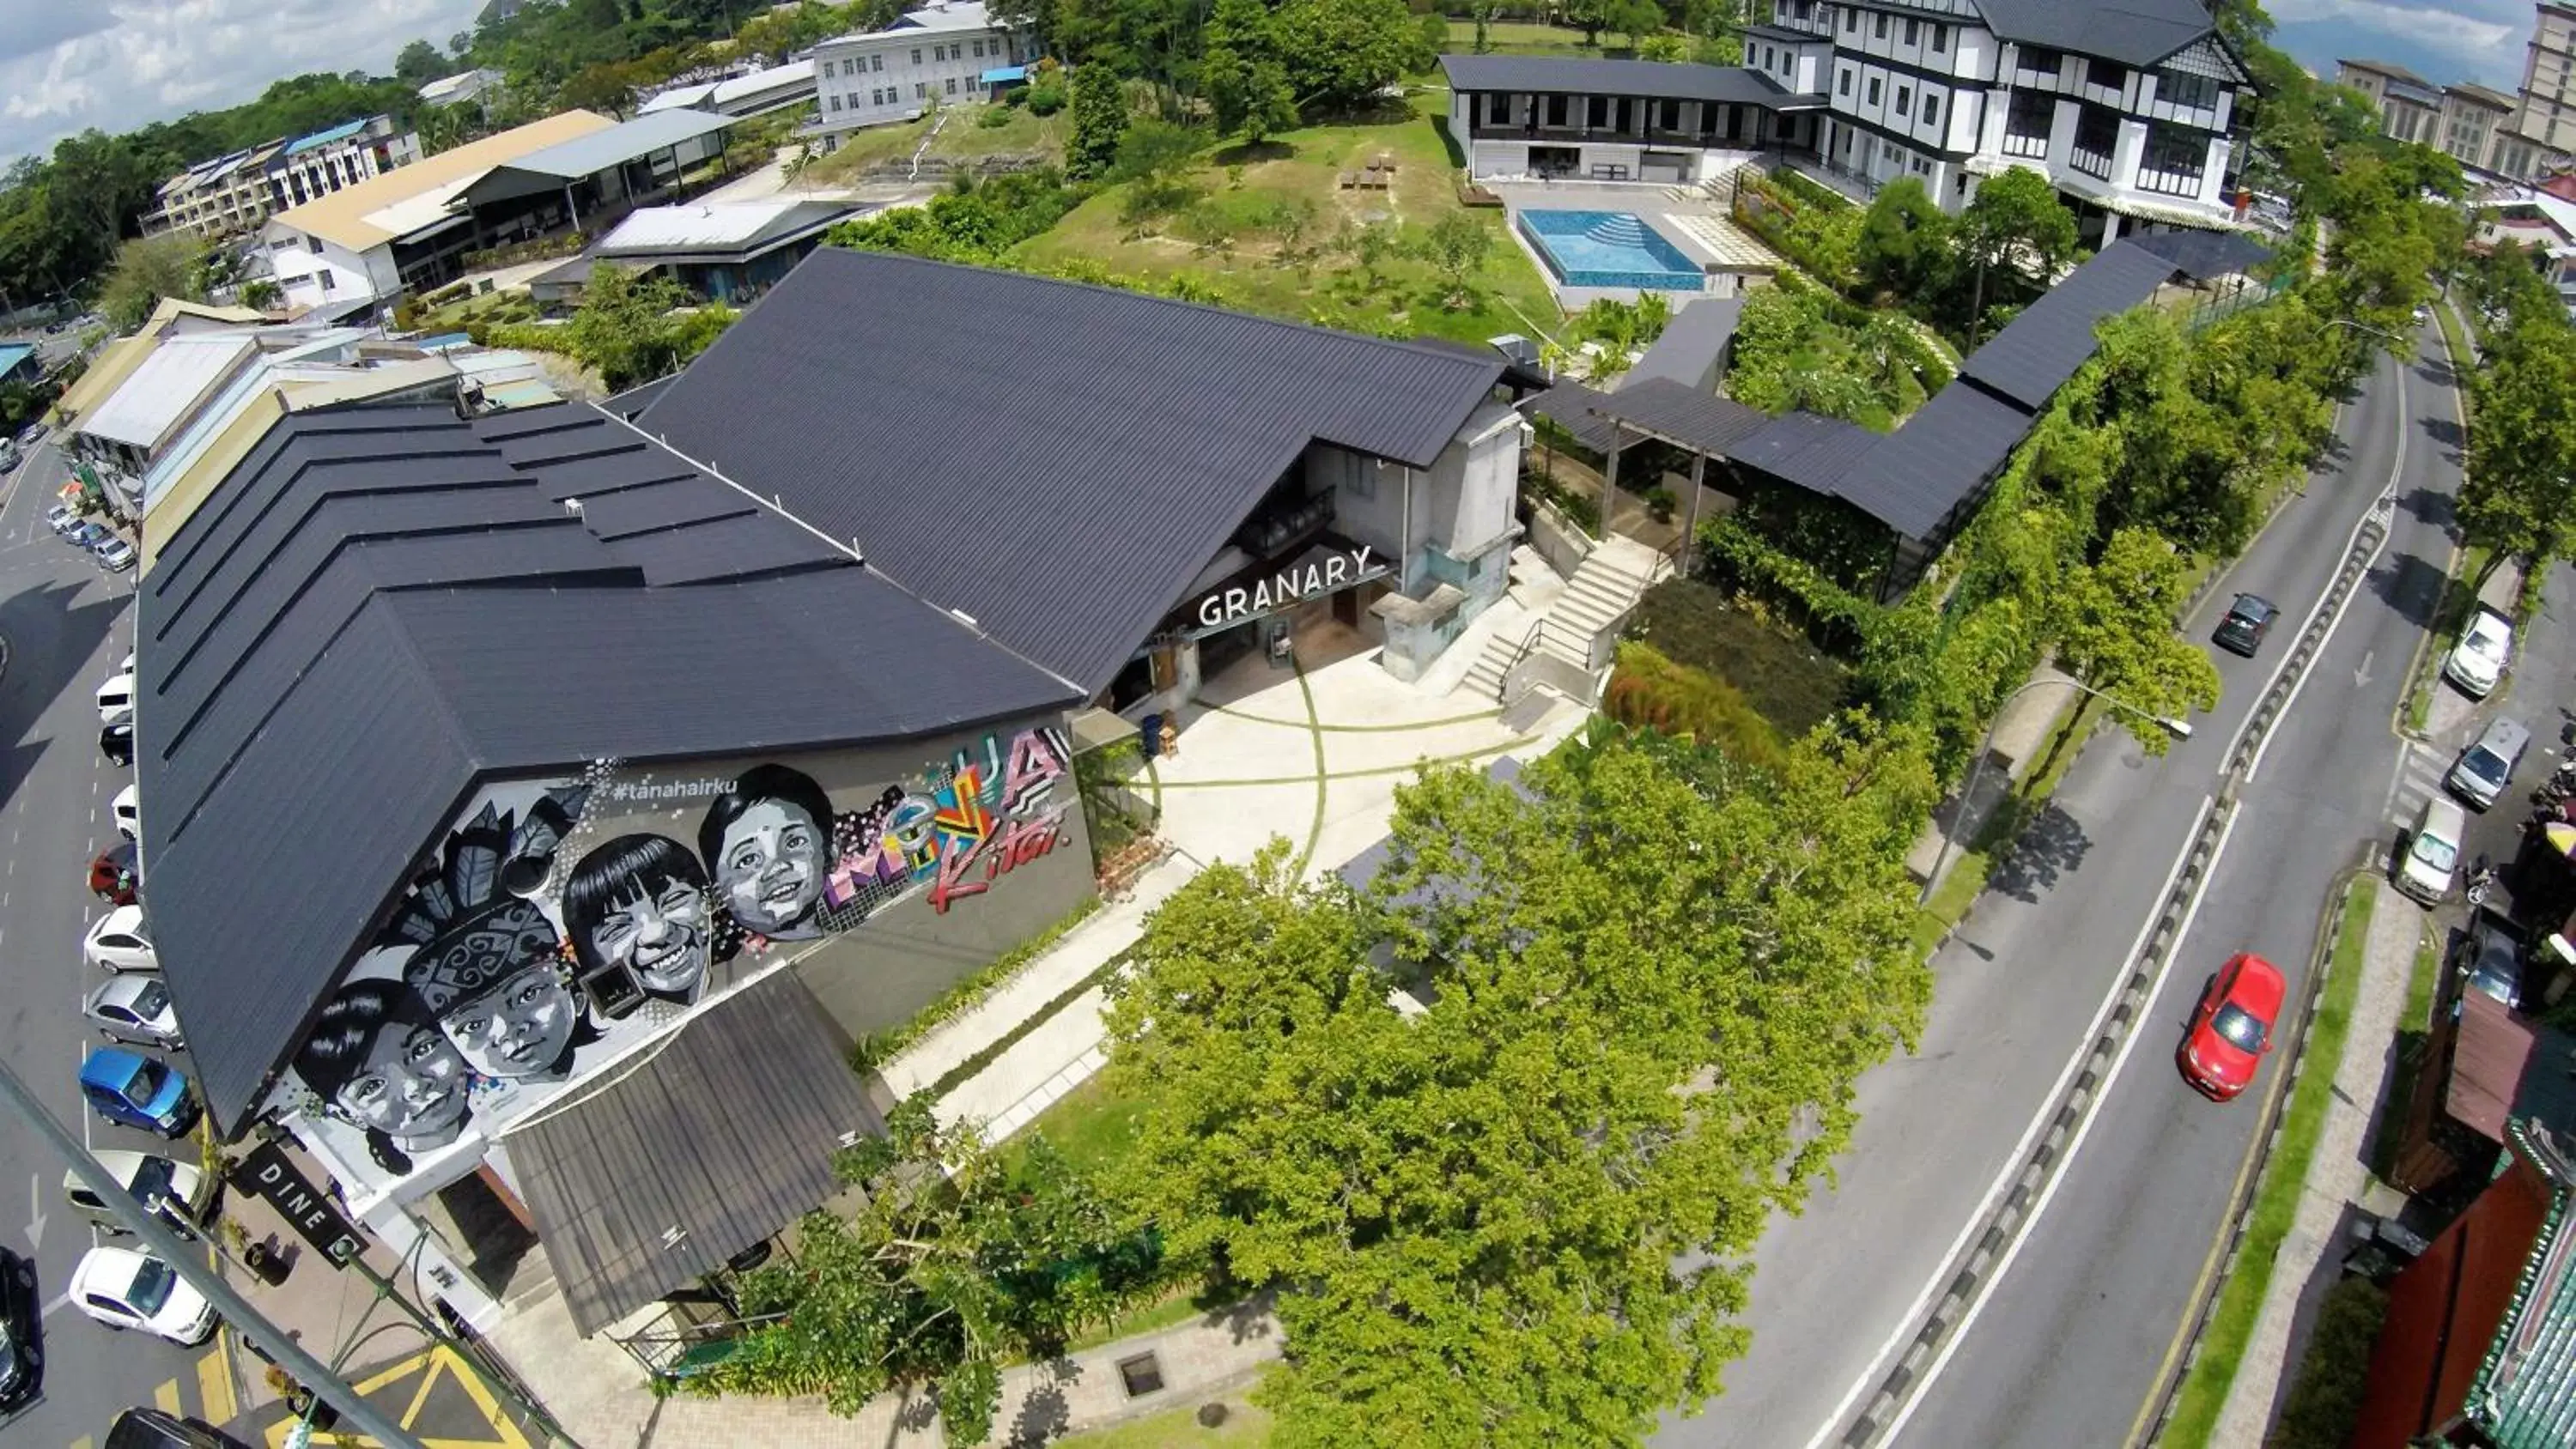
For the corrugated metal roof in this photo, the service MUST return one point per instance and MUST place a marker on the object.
(1575, 407)
(343, 131)
(2201, 255)
(717, 226)
(1915, 479)
(1693, 344)
(1574, 75)
(758, 1087)
(598, 151)
(382, 606)
(2031, 359)
(2525, 1394)
(1684, 414)
(1054, 459)
(1814, 452)
(13, 353)
(170, 383)
(349, 216)
(944, 15)
(2132, 32)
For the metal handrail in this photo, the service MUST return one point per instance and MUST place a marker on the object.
(1529, 640)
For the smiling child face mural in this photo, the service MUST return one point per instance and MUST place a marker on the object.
(639, 903)
(769, 841)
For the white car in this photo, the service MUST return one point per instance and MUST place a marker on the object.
(116, 697)
(176, 1192)
(128, 810)
(2432, 851)
(125, 1288)
(118, 942)
(134, 1010)
(2478, 660)
(62, 518)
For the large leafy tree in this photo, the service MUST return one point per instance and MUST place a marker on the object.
(1519, 1214)
(1339, 53)
(1099, 122)
(420, 63)
(2014, 221)
(1904, 240)
(148, 269)
(2116, 633)
(954, 1261)
(1245, 74)
(2519, 495)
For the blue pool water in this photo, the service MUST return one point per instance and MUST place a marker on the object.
(1609, 249)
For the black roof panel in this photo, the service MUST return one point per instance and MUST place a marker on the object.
(2031, 359)
(2132, 32)
(1663, 80)
(1916, 478)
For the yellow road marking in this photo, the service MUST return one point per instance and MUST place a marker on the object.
(429, 1364)
(167, 1396)
(215, 1385)
(81, 1443)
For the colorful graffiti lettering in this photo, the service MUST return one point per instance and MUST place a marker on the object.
(961, 826)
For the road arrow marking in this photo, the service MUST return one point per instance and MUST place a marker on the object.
(2361, 672)
(35, 1211)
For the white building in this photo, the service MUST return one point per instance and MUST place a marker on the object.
(309, 168)
(215, 198)
(457, 89)
(945, 52)
(755, 93)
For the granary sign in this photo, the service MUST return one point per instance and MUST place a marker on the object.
(1316, 571)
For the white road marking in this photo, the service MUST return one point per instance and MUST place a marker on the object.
(1942, 1270)
(2074, 1145)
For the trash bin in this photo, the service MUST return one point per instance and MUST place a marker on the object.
(1149, 733)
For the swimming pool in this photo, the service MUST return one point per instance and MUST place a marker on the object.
(1609, 249)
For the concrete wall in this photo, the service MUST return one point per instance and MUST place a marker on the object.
(297, 268)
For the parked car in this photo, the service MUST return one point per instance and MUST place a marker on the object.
(116, 698)
(133, 1009)
(2231, 1029)
(119, 941)
(2432, 851)
(86, 534)
(2486, 768)
(153, 1429)
(30, 435)
(2489, 958)
(2246, 622)
(128, 1288)
(21, 1357)
(131, 1090)
(113, 554)
(2478, 660)
(111, 875)
(179, 1193)
(62, 518)
(8, 456)
(116, 740)
(127, 807)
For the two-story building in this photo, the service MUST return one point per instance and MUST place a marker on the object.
(2470, 123)
(941, 53)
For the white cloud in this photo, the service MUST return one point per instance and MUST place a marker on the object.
(66, 65)
(2481, 34)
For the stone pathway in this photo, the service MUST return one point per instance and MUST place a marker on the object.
(2338, 1178)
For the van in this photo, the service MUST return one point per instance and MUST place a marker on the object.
(2487, 767)
(115, 698)
(2432, 851)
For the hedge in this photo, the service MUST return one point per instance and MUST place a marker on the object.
(1836, 619)
(1648, 690)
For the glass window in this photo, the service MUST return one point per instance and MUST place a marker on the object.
(876, 62)
(1880, 30)
(1931, 109)
(2105, 73)
(836, 100)
(1913, 31)
(916, 55)
(921, 90)
(952, 85)
(1843, 85)
(938, 53)
(1904, 99)
(1873, 90)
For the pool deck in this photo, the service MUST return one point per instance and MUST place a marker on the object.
(1690, 218)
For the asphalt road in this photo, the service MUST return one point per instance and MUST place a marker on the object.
(67, 624)
(1838, 1289)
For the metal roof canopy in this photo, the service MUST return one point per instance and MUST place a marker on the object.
(1657, 80)
(1916, 478)
(1055, 459)
(1693, 344)
(718, 1138)
(2031, 359)
(566, 162)
(381, 607)
(2132, 32)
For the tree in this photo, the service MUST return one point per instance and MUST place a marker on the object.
(1650, 986)
(2116, 633)
(953, 1262)
(1243, 74)
(2519, 496)
(624, 326)
(1340, 53)
(1904, 240)
(607, 86)
(148, 269)
(262, 294)
(2015, 220)
(1457, 246)
(1635, 19)
(420, 63)
(1099, 122)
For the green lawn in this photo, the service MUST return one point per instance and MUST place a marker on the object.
(1244, 1428)
(1091, 1125)
(1521, 37)
(964, 137)
(1232, 239)
(2285, 1177)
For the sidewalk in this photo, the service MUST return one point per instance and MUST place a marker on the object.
(2020, 732)
(2338, 1181)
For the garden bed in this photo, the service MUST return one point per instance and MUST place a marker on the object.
(1788, 681)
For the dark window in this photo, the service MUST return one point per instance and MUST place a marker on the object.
(1873, 90)
(1880, 30)
(1913, 31)
(2197, 92)
(2105, 73)
(1904, 99)
(1940, 37)
(1931, 109)
(1844, 84)
(1851, 21)
(1770, 58)
(1672, 116)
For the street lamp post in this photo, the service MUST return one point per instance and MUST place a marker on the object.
(2178, 728)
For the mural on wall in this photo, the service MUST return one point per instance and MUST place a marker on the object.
(560, 922)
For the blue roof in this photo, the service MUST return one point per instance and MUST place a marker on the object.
(999, 74)
(13, 353)
(325, 138)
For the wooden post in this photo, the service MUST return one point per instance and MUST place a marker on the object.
(1610, 478)
(1690, 515)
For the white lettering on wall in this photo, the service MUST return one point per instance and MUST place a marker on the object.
(1285, 587)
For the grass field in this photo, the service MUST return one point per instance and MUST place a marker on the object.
(1234, 240)
(1521, 37)
(1091, 1125)
(964, 137)
(1244, 1428)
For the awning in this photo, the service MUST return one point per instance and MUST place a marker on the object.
(1001, 74)
(712, 1139)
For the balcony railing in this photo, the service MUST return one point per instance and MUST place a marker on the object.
(2170, 182)
(2096, 164)
(2033, 146)
(1567, 135)
(1857, 185)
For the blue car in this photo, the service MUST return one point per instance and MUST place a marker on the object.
(131, 1090)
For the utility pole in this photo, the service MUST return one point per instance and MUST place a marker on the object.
(192, 1269)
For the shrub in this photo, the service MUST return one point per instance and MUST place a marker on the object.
(1047, 97)
(2335, 1373)
(1649, 691)
(994, 118)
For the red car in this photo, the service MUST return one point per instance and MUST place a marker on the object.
(111, 876)
(2232, 1028)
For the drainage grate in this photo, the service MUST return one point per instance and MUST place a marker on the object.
(1142, 1375)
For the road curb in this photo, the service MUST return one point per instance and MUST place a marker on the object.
(1971, 1274)
(2165, 1393)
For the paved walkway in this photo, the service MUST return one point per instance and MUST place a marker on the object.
(2020, 733)
(2338, 1178)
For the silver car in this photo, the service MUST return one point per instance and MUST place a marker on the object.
(134, 1009)
(113, 554)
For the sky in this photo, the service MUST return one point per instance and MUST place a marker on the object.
(67, 65)
(115, 64)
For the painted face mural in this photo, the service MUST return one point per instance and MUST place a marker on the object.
(379, 1063)
(639, 904)
(520, 1030)
(768, 840)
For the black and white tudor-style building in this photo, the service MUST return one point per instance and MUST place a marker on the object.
(2131, 108)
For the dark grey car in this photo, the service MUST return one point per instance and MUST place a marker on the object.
(2247, 621)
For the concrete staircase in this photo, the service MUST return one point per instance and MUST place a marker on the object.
(1596, 601)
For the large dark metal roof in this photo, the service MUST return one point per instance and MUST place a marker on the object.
(994, 440)
(2201, 255)
(1685, 415)
(2132, 32)
(1693, 343)
(381, 607)
(1809, 450)
(2031, 359)
(1916, 478)
(1660, 80)
(719, 1140)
